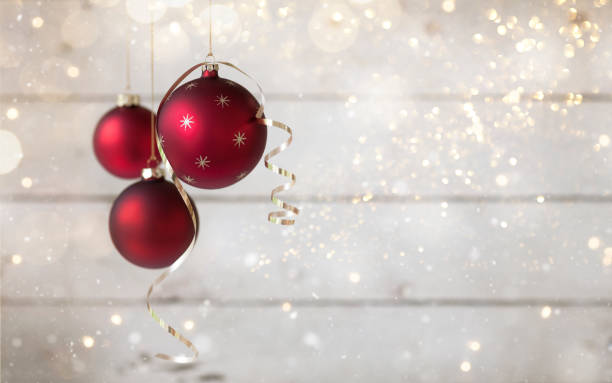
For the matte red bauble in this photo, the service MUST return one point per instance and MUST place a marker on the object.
(122, 140)
(150, 224)
(209, 131)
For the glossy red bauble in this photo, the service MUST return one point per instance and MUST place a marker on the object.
(122, 140)
(150, 224)
(209, 131)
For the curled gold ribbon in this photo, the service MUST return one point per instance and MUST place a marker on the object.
(285, 216)
(171, 330)
(178, 263)
(282, 217)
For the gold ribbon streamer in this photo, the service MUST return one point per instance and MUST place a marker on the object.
(285, 216)
(171, 330)
(178, 263)
(282, 217)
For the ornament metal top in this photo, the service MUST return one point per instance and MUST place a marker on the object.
(128, 99)
(152, 173)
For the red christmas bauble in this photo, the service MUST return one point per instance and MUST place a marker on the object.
(122, 140)
(150, 224)
(209, 131)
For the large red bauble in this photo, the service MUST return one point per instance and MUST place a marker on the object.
(150, 224)
(122, 140)
(209, 131)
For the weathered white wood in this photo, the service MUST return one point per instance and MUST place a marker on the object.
(426, 344)
(409, 251)
(353, 273)
(340, 151)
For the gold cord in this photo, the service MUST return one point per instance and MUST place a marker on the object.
(152, 161)
(210, 29)
(128, 80)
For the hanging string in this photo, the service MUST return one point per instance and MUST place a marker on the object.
(128, 80)
(210, 54)
(152, 161)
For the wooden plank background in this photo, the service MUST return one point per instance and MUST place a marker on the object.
(454, 180)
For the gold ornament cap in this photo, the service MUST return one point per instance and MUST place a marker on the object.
(128, 99)
(152, 173)
(210, 64)
(210, 67)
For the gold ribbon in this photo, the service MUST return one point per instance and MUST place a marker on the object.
(171, 330)
(285, 216)
(282, 217)
(178, 263)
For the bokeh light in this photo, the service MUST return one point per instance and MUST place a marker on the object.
(116, 319)
(88, 341)
(10, 151)
(12, 113)
(26, 182)
(16, 259)
(37, 22)
(474, 345)
(73, 71)
(188, 325)
(333, 27)
(145, 11)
